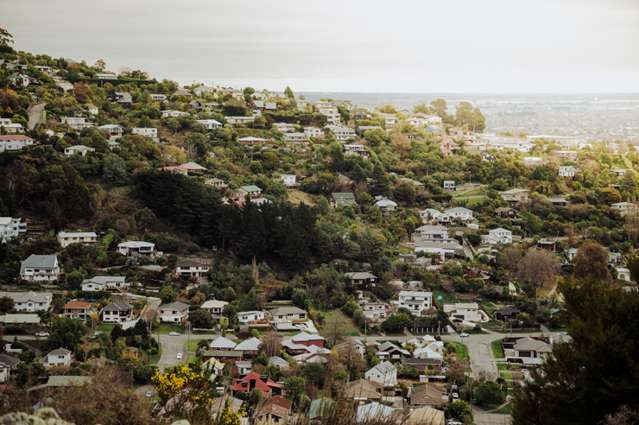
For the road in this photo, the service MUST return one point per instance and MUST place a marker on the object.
(171, 345)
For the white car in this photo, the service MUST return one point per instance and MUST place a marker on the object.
(42, 334)
(148, 394)
(174, 334)
(463, 335)
(179, 356)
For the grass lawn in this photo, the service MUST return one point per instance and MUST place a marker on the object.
(461, 351)
(345, 324)
(498, 351)
(165, 328)
(105, 327)
(191, 346)
(505, 410)
(155, 358)
(296, 197)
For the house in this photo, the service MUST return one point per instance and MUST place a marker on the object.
(624, 208)
(186, 169)
(77, 309)
(249, 347)
(390, 351)
(459, 214)
(216, 183)
(386, 205)
(506, 212)
(306, 339)
(341, 133)
(567, 171)
(240, 120)
(175, 312)
(515, 196)
(363, 390)
(375, 311)
(214, 307)
(289, 180)
(361, 279)
(158, 97)
(320, 409)
(418, 303)
(192, 268)
(332, 115)
(427, 416)
(558, 201)
(252, 141)
(78, 150)
(314, 132)
(253, 381)
(222, 343)
(112, 130)
(135, 248)
(429, 215)
(429, 394)
(465, 312)
(283, 127)
(279, 362)
(342, 199)
(150, 132)
(623, 273)
(287, 314)
(529, 351)
(174, 114)
(29, 302)
(14, 142)
(448, 248)
(433, 353)
(246, 317)
(58, 357)
(76, 123)
(20, 319)
(11, 228)
(376, 412)
(431, 232)
(243, 367)
(390, 120)
(104, 283)
(449, 184)
(40, 268)
(251, 191)
(10, 127)
(384, 373)
(117, 312)
(123, 98)
(67, 238)
(209, 124)
(356, 149)
(295, 137)
(506, 313)
(499, 236)
(275, 410)
(7, 364)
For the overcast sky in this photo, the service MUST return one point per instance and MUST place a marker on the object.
(478, 46)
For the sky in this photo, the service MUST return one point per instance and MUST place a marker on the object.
(411, 46)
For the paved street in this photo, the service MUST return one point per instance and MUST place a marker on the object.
(170, 346)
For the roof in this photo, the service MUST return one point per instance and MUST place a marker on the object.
(8, 360)
(59, 352)
(360, 275)
(222, 342)
(118, 306)
(462, 210)
(427, 394)
(251, 188)
(286, 310)
(320, 407)
(278, 361)
(251, 344)
(343, 198)
(213, 304)
(105, 279)
(384, 368)
(136, 244)
(15, 137)
(304, 336)
(23, 297)
(35, 261)
(176, 305)
(77, 234)
(426, 416)
(430, 228)
(374, 412)
(77, 305)
(275, 406)
(20, 318)
(531, 344)
(364, 389)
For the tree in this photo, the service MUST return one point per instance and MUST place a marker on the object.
(294, 388)
(538, 268)
(488, 394)
(6, 40)
(201, 319)
(591, 262)
(594, 375)
(289, 93)
(167, 294)
(6, 305)
(67, 333)
(461, 411)
(470, 117)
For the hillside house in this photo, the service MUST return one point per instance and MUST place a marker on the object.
(445, 249)
(11, 228)
(78, 150)
(249, 347)
(105, 283)
(459, 214)
(332, 115)
(341, 133)
(175, 312)
(209, 124)
(150, 132)
(499, 236)
(466, 312)
(289, 180)
(567, 171)
(449, 185)
(117, 312)
(417, 303)
(385, 205)
(390, 351)
(136, 248)
(174, 114)
(376, 311)
(432, 232)
(362, 390)
(14, 142)
(384, 373)
(287, 314)
(246, 317)
(40, 268)
(343, 199)
(191, 268)
(529, 351)
(253, 381)
(214, 307)
(624, 208)
(7, 364)
(76, 123)
(77, 309)
(9, 127)
(60, 357)
(515, 196)
(85, 238)
(314, 132)
(29, 302)
(361, 280)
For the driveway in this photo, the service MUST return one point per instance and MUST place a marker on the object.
(36, 115)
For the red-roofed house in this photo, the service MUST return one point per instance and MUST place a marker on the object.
(254, 381)
(76, 309)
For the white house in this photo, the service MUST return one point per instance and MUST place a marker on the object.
(76, 123)
(386, 205)
(384, 373)
(499, 236)
(14, 142)
(29, 302)
(314, 132)
(466, 312)
(289, 180)
(192, 268)
(240, 120)
(78, 150)
(40, 268)
(173, 114)
(150, 132)
(459, 213)
(104, 283)
(449, 184)
(10, 127)
(60, 357)
(7, 364)
(132, 248)
(245, 317)
(417, 302)
(67, 238)
(567, 171)
(375, 311)
(284, 127)
(448, 248)
(432, 232)
(11, 228)
(529, 351)
(214, 307)
(287, 314)
(175, 312)
(341, 133)
(430, 214)
(158, 97)
(209, 124)
(117, 312)
(623, 273)
(332, 115)
(624, 208)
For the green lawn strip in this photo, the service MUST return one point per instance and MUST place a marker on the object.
(497, 349)
(346, 325)
(506, 409)
(165, 328)
(461, 351)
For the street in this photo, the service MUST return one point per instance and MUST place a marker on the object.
(171, 345)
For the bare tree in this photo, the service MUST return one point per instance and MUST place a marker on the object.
(538, 268)
(272, 344)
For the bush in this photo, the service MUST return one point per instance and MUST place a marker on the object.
(488, 394)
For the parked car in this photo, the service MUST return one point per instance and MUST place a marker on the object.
(174, 333)
(463, 335)
(148, 394)
(42, 334)
(179, 356)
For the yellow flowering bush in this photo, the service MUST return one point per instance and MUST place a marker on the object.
(174, 381)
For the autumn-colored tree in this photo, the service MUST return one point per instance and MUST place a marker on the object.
(538, 268)
(591, 262)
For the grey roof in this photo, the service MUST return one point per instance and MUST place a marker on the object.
(251, 344)
(344, 198)
(286, 310)
(530, 344)
(8, 360)
(20, 318)
(35, 261)
(177, 305)
(118, 306)
(360, 275)
(278, 361)
(22, 297)
(59, 352)
(102, 280)
(222, 342)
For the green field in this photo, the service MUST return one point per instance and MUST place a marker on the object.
(346, 326)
